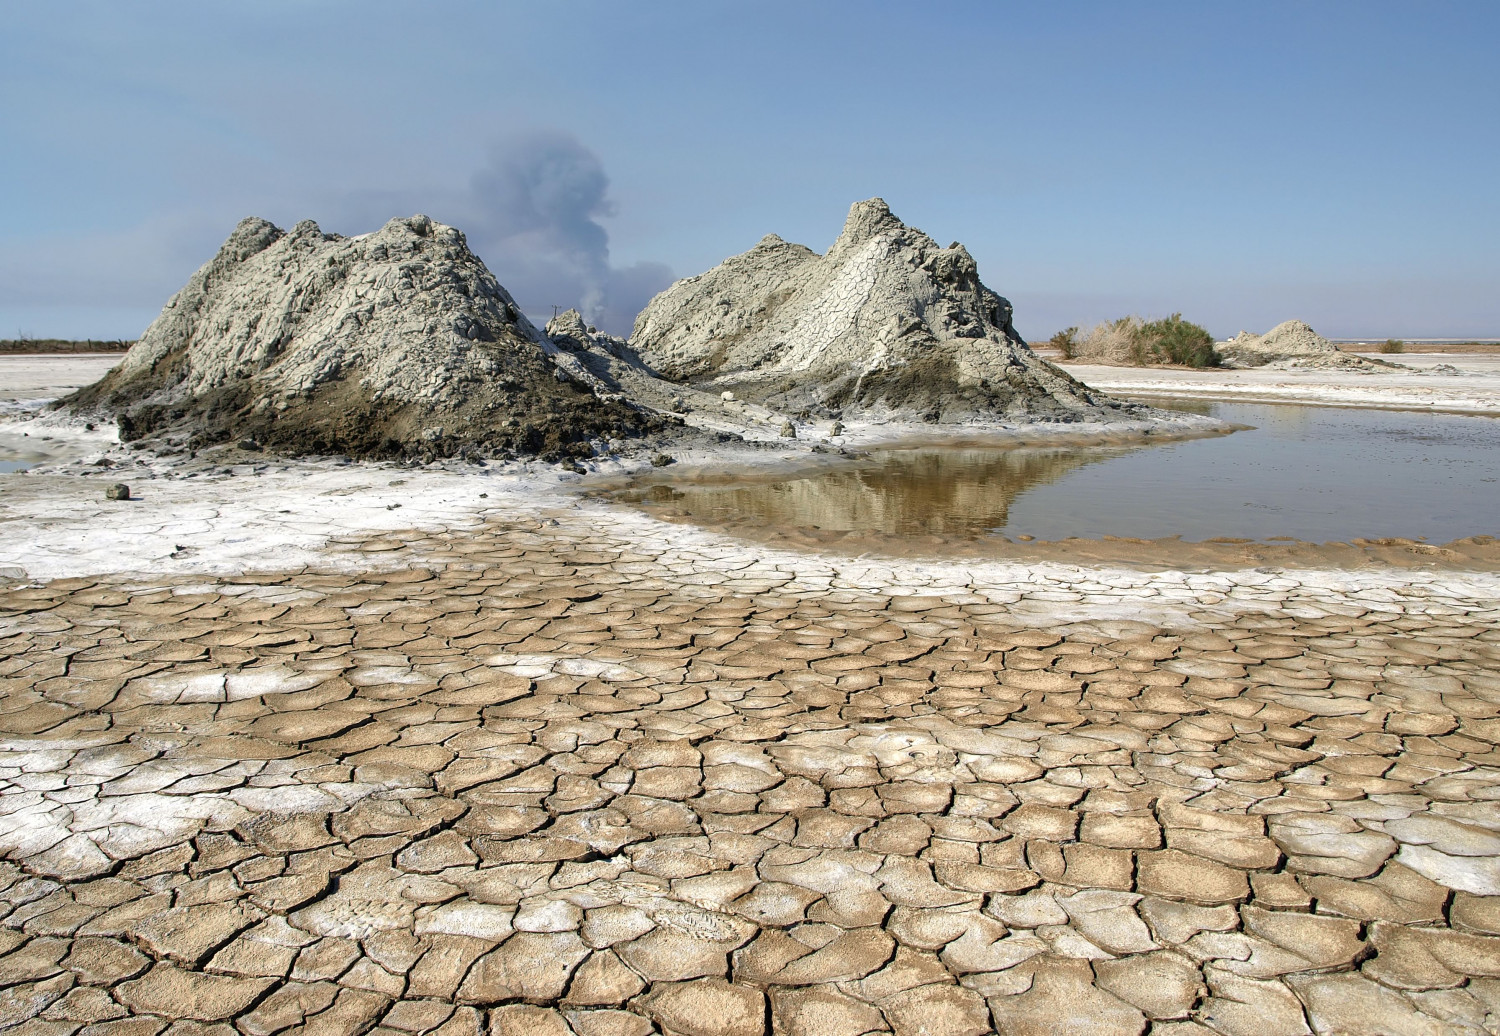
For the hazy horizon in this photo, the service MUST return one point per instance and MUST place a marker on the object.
(1328, 163)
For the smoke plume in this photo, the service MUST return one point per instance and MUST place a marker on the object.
(534, 218)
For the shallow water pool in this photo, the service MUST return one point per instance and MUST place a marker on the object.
(1317, 474)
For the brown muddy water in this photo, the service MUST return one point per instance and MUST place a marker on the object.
(1313, 474)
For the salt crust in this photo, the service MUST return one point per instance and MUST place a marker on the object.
(290, 515)
(1473, 387)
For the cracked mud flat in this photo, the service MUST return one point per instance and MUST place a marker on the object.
(557, 774)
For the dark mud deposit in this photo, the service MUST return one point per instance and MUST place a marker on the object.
(553, 422)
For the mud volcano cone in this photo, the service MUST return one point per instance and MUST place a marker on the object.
(887, 323)
(394, 344)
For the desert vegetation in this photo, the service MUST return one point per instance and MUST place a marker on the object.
(1065, 342)
(1393, 345)
(1142, 343)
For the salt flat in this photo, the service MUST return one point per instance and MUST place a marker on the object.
(1475, 389)
(47, 376)
(281, 756)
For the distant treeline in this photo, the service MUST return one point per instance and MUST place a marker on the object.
(59, 345)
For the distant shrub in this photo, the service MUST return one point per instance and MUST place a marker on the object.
(1065, 342)
(1393, 345)
(1175, 340)
(1134, 341)
(1114, 341)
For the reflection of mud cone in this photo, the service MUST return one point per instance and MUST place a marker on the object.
(909, 492)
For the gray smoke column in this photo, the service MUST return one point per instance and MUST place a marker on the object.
(534, 218)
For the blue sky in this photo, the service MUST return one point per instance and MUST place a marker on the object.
(1240, 163)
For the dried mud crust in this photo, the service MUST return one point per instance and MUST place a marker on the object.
(547, 784)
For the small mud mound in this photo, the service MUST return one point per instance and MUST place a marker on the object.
(396, 344)
(1292, 344)
(887, 323)
(1288, 338)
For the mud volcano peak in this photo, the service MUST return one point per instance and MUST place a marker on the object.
(397, 343)
(866, 219)
(887, 323)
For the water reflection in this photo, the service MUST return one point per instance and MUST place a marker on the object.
(898, 492)
(1309, 473)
